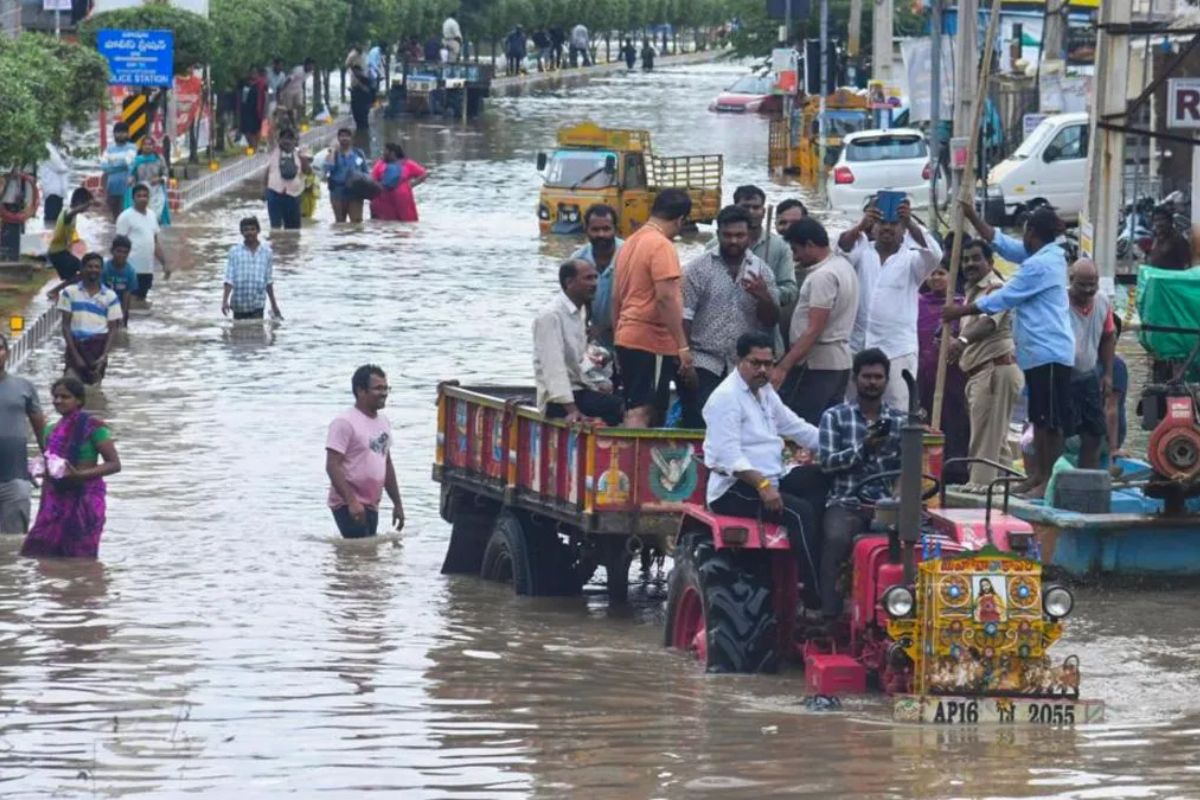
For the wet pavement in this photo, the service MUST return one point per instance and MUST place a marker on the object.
(228, 644)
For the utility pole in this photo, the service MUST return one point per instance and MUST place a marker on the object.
(854, 40)
(1106, 151)
(823, 126)
(935, 103)
(966, 75)
(881, 42)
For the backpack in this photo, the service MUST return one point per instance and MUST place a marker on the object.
(391, 176)
(288, 169)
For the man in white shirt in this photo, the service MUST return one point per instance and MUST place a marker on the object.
(140, 225)
(54, 175)
(743, 448)
(564, 391)
(452, 38)
(891, 264)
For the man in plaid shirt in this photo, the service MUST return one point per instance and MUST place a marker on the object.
(858, 439)
(248, 277)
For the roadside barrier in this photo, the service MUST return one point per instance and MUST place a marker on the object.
(42, 329)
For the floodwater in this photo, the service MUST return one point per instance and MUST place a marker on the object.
(226, 645)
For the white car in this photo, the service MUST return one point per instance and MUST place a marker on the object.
(896, 159)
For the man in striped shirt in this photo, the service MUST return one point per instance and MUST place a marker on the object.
(91, 313)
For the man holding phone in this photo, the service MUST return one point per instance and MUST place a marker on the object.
(859, 438)
(726, 294)
(893, 256)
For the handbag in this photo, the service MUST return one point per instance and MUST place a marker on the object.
(360, 186)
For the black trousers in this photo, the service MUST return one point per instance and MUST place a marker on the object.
(811, 392)
(840, 526)
(351, 528)
(360, 107)
(607, 407)
(145, 283)
(693, 400)
(803, 492)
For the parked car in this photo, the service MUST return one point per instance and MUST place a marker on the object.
(749, 94)
(1050, 167)
(897, 159)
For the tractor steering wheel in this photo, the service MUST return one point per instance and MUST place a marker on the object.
(857, 492)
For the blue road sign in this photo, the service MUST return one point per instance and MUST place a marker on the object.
(138, 58)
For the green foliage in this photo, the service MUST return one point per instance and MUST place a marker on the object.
(193, 33)
(48, 84)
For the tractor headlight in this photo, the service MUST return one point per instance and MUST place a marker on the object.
(898, 601)
(1057, 601)
(543, 211)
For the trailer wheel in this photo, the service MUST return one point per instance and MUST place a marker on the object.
(719, 609)
(528, 556)
(469, 535)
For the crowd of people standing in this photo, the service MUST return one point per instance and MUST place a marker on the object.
(813, 338)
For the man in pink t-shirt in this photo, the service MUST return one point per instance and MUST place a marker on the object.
(358, 459)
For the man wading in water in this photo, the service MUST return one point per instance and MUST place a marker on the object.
(358, 459)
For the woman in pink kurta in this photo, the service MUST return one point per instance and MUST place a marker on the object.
(397, 175)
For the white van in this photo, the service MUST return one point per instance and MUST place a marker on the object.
(1050, 167)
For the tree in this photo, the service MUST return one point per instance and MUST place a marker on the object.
(48, 85)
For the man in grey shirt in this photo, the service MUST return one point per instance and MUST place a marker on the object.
(18, 402)
(816, 368)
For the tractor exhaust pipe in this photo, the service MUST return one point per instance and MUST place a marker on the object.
(912, 442)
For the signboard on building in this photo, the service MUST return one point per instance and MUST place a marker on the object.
(1183, 103)
(138, 58)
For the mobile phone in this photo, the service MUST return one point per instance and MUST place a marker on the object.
(888, 202)
(880, 427)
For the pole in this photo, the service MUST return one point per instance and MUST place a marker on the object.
(966, 194)
(821, 122)
(1106, 153)
(881, 42)
(935, 103)
(965, 66)
(854, 40)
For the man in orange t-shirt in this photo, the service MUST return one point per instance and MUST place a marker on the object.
(647, 308)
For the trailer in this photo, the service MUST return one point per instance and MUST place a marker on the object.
(542, 504)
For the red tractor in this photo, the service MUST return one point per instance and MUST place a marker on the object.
(733, 593)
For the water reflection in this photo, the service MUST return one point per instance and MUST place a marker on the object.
(243, 652)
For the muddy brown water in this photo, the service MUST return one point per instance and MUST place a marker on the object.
(226, 645)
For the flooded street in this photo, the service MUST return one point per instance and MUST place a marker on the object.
(227, 644)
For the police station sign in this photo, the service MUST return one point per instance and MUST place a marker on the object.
(1183, 103)
(138, 58)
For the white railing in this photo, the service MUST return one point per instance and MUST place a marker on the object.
(34, 336)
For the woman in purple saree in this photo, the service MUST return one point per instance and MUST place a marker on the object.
(71, 513)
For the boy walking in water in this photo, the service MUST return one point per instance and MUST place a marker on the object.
(358, 459)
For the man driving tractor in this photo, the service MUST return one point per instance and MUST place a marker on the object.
(859, 438)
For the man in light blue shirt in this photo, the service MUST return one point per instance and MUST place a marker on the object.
(600, 225)
(1042, 330)
(116, 165)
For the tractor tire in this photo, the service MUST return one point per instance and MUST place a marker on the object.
(528, 556)
(733, 599)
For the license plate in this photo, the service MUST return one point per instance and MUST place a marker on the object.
(1052, 712)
